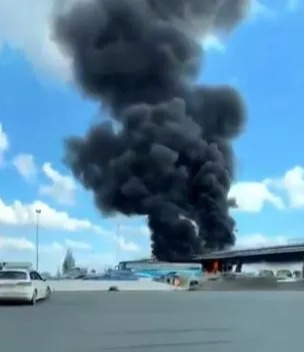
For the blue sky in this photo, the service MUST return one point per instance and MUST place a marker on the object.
(262, 58)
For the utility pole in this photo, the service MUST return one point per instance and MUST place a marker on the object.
(38, 212)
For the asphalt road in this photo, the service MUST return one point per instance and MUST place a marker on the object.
(160, 322)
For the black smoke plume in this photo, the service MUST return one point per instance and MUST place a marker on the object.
(168, 156)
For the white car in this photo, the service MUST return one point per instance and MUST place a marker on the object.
(23, 285)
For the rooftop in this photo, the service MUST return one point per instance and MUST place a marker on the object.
(16, 265)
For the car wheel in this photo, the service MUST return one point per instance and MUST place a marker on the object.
(34, 298)
(48, 293)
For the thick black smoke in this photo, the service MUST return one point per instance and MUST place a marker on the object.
(170, 157)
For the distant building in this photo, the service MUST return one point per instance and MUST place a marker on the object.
(76, 273)
(156, 268)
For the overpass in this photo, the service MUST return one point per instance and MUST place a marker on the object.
(292, 251)
(288, 253)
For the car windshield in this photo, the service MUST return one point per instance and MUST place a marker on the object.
(12, 275)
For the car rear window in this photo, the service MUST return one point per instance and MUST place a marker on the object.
(13, 275)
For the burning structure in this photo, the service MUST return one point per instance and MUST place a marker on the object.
(166, 150)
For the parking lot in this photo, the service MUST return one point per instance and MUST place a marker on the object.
(160, 322)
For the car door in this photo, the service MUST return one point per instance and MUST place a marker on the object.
(42, 285)
(35, 282)
(38, 284)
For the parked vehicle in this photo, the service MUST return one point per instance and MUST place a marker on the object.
(23, 285)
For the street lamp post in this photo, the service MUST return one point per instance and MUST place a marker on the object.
(38, 212)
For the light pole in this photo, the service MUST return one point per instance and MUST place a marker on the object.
(38, 212)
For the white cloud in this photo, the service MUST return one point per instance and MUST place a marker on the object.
(61, 248)
(293, 5)
(211, 42)
(51, 254)
(25, 214)
(252, 196)
(19, 244)
(16, 244)
(97, 261)
(25, 165)
(62, 188)
(293, 184)
(126, 246)
(10, 243)
(78, 245)
(52, 248)
(259, 240)
(134, 230)
(260, 10)
(25, 25)
(4, 144)
(144, 230)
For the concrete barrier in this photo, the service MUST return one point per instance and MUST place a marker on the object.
(87, 285)
(231, 283)
(222, 284)
(291, 286)
(243, 282)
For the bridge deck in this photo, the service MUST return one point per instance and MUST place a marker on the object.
(287, 249)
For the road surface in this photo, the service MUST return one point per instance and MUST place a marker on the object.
(157, 322)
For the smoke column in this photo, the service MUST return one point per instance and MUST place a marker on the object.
(170, 158)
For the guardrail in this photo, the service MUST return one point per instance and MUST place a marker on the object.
(87, 285)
